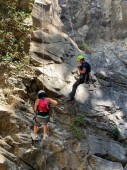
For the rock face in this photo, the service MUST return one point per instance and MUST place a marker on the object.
(51, 48)
(99, 163)
(97, 116)
(105, 19)
(102, 105)
(24, 4)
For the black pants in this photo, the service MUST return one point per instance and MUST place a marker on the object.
(77, 83)
(74, 88)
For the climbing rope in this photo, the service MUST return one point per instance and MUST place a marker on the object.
(70, 19)
(40, 144)
(43, 56)
(43, 50)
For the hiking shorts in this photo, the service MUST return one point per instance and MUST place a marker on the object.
(41, 120)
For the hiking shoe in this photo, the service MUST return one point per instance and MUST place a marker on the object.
(45, 136)
(35, 137)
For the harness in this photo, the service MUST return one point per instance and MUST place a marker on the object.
(41, 116)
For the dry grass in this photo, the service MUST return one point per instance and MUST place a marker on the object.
(12, 100)
(7, 91)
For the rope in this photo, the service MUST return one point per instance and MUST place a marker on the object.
(70, 19)
(44, 22)
(43, 57)
(40, 143)
(43, 16)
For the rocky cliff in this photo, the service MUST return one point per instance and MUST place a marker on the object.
(95, 19)
(90, 132)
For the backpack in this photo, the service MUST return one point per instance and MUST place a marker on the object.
(43, 105)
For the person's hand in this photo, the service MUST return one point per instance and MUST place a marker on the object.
(34, 116)
(79, 67)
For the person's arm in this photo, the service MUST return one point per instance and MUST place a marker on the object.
(36, 104)
(83, 71)
(52, 101)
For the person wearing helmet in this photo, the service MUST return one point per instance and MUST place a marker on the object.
(41, 107)
(84, 69)
(80, 57)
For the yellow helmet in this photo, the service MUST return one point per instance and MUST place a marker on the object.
(80, 57)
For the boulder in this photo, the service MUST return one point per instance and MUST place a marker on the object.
(98, 163)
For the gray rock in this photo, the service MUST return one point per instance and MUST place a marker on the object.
(125, 167)
(105, 19)
(98, 163)
(107, 147)
(83, 31)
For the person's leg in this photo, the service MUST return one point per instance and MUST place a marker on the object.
(74, 88)
(87, 79)
(36, 128)
(45, 128)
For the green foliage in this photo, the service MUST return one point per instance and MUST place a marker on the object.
(85, 47)
(13, 31)
(115, 133)
(79, 122)
(76, 128)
